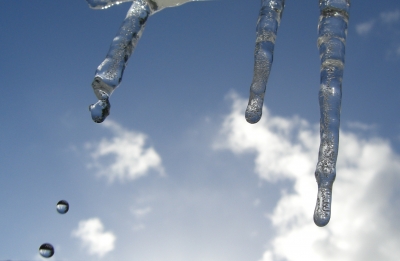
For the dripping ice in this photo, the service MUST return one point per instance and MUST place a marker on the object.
(109, 73)
(267, 29)
(332, 31)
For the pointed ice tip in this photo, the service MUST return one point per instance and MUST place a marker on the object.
(321, 221)
(253, 117)
(322, 212)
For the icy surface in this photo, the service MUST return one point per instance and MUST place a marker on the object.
(332, 31)
(267, 28)
(109, 73)
(157, 5)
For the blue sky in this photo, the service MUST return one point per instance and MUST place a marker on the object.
(175, 172)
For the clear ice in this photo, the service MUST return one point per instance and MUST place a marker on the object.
(46, 250)
(62, 206)
(267, 29)
(109, 73)
(332, 32)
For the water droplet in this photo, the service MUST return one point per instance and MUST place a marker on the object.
(46, 250)
(100, 110)
(62, 206)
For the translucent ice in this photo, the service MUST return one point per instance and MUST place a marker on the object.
(332, 31)
(267, 28)
(157, 5)
(46, 250)
(109, 73)
(101, 109)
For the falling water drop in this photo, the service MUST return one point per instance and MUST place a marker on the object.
(62, 206)
(46, 250)
(267, 29)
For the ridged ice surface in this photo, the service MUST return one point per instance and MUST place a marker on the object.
(109, 73)
(332, 31)
(267, 28)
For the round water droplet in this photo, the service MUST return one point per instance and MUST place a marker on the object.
(46, 250)
(62, 206)
(100, 110)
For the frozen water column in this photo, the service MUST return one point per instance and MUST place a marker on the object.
(267, 28)
(109, 73)
(332, 31)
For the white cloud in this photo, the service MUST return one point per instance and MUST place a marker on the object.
(141, 212)
(365, 28)
(385, 28)
(390, 17)
(361, 126)
(366, 202)
(125, 156)
(94, 238)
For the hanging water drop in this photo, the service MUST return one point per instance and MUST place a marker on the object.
(101, 109)
(46, 250)
(62, 206)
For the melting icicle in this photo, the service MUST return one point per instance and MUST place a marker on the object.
(46, 250)
(332, 30)
(109, 73)
(267, 28)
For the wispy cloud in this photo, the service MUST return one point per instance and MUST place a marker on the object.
(390, 17)
(141, 212)
(365, 28)
(125, 156)
(361, 126)
(384, 27)
(93, 237)
(365, 199)
(384, 19)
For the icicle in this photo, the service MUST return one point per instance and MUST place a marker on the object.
(108, 75)
(332, 30)
(267, 28)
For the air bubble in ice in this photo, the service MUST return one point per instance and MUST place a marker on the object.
(62, 206)
(46, 250)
